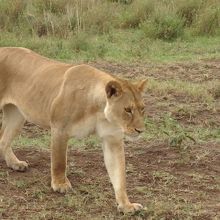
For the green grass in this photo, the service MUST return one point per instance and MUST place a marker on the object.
(191, 91)
(119, 46)
(43, 142)
(166, 128)
(128, 31)
(178, 135)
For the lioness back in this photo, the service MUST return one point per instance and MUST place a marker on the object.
(39, 80)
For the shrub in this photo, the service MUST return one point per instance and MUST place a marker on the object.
(80, 42)
(166, 27)
(50, 24)
(122, 1)
(47, 18)
(87, 46)
(208, 22)
(63, 18)
(53, 6)
(137, 13)
(100, 18)
(11, 13)
(188, 10)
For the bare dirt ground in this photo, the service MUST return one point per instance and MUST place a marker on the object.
(171, 182)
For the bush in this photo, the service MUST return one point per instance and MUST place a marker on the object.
(64, 18)
(11, 13)
(53, 6)
(100, 18)
(50, 25)
(208, 22)
(80, 42)
(166, 27)
(188, 10)
(137, 13)
(56, 18)
(122, 1)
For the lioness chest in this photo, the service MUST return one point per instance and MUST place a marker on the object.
(84, 127)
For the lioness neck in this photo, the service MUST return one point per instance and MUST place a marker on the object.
(85, 87)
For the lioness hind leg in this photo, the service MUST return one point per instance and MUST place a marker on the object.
(1, 132)
(13, 121)
(2, 127)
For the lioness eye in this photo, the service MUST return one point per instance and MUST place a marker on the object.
(128, 110)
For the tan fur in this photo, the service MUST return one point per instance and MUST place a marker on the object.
(72, 101)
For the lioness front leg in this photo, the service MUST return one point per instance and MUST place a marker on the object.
(59, 181)
(115, 163)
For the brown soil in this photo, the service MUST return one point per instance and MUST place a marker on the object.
(170, 182)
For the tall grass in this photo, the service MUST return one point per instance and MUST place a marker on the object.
(208, 21)
(188, 10)
(163, 24)
(165, 19)
(136, 13)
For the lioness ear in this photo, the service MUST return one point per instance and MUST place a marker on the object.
(141, 85)
(113, 89)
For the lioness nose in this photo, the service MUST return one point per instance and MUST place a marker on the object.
(138, 130)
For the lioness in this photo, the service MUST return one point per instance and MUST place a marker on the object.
(73, 101)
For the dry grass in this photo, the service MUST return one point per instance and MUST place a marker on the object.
(65, 18)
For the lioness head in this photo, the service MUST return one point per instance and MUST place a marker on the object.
(125, 106)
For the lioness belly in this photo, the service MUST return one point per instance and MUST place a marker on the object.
(30, 114)
(36, 118)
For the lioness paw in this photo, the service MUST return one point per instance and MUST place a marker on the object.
(131, 207)
(61, 187)
(18, 166)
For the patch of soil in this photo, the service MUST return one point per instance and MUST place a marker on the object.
(198, 72)
(201, 71)
(160, 170)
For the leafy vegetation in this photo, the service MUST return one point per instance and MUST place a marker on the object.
(113, 30)
(65, 18)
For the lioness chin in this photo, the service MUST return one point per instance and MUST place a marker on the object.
(73, 101)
